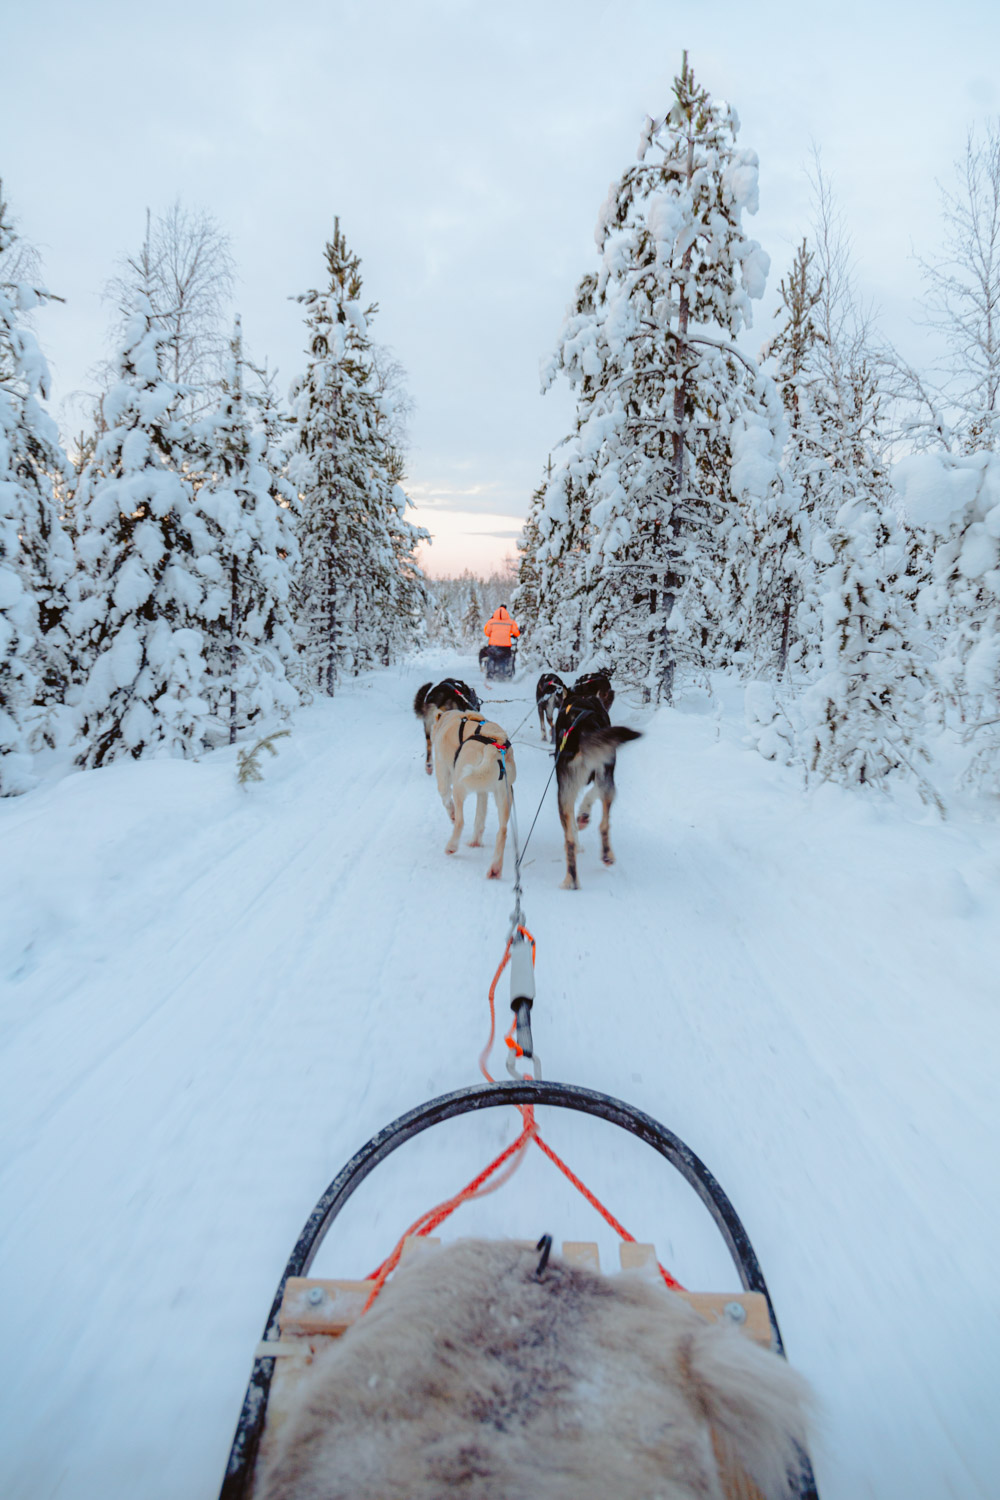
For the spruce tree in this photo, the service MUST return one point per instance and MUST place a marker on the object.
(784, 535)
(150, 572)
(472, 616)
(249, 649)
(557, 548)
(36, 562)
(358, 589)
(676, 430)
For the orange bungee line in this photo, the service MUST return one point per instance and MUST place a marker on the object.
(512, 1155)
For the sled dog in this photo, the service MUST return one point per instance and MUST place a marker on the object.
(548, 701)
(451, 693)
(473, 755)
(473, 1375)
(586, 746)
(596, 685)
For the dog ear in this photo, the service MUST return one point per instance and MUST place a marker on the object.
(756, 1403)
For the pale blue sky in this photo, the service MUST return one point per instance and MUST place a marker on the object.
(467, 148)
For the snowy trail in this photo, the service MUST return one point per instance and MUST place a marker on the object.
(211, 998)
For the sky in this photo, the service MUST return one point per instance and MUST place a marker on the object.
(467, 148)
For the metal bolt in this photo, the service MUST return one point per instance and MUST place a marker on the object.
(736, 1311)
(315, 1296)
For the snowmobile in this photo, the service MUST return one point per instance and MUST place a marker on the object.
(304, 1313)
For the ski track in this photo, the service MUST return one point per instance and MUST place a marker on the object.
(230, 991)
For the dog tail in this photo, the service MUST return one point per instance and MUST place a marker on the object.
(418, 702)
(606, 741)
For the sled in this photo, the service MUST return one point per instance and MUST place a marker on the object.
(306, 1312)
(499, 669)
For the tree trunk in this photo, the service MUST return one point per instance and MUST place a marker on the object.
(671, 580)
(234, 620)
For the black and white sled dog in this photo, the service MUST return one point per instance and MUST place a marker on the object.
(548, 700)
(451, 693)
(596, 685)
(586, 746)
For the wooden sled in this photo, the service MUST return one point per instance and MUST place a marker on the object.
(307, 1313)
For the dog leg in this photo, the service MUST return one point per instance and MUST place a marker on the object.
(429, 764)
(606, 783)
(566, 800)
(543, 726)
(583, 816)
(502, 798)
(459, 823)
(476, 841)
(444, 784)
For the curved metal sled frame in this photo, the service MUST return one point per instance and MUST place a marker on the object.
(243, 1455)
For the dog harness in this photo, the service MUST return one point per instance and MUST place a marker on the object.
(502, 745)
(461, 692)
(586, 711)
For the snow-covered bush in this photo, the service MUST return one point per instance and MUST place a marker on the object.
(953, 503)
(862, 719)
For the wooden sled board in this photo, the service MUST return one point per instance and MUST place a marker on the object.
(314, 1310)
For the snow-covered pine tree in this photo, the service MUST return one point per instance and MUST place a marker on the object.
(247, 565)
(783, 536)
(560, 558)
(473, 618)
(862, 719)
(441, 628)
(352, 601)
(400, 611)
(675, 427)
(525, 597)
(144, 549)
(36, 559)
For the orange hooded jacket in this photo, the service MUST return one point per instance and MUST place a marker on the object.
(500, 627)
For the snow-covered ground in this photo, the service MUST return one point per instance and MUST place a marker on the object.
(212, 997)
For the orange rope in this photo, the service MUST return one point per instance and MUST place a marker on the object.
(514, 1154)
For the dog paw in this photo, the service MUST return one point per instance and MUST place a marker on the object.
(429, 770)
(450, 848)
(569, 884)
(607, 857)
(493, 873)
(583, 820)
(475, 844)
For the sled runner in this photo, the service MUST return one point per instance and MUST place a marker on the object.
(308, 1314)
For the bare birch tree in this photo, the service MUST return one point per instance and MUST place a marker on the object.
(186, 270)
(955, 405)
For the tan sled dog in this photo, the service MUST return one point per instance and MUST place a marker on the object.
(471, 754)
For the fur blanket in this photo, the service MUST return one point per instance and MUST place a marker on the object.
(470, 1376)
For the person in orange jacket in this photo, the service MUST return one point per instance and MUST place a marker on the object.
(497, 657)
(500, 627)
